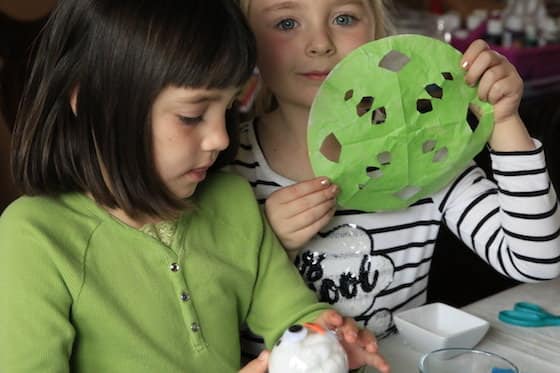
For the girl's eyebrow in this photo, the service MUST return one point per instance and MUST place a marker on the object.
(293, 5)
(355, 2)
(281, 6)
(200, 98)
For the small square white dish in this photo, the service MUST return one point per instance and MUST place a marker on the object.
(437, 325)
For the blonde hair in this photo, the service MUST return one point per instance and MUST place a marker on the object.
(265, 101)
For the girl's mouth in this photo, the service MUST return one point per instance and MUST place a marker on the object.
(316, 75)
(198, 174)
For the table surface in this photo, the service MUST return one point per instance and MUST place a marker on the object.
(533, 350)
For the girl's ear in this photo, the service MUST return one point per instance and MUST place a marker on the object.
(74, 99)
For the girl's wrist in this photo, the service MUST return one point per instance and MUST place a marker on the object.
(512, 120)
(510, 134)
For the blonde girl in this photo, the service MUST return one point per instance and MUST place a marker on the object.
(371, 265)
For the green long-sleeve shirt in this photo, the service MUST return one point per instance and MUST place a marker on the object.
(82, 292)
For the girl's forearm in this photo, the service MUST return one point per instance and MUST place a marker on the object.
(511, 135)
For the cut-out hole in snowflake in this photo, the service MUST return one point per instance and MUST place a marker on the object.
(472, 116)
(384, 158)
(394, 61)
(364, 105)
(379, 116)
(428, 146)
(348, 95)
(441, 155)
(434, 90)
(447, 76)
(407, 192)
(331, 148)
(424, 105)
(374, 172)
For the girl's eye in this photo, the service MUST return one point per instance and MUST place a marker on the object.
(286, 24)
(190, 120)
(344, 20)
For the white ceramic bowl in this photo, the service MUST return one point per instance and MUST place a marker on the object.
(437, 325)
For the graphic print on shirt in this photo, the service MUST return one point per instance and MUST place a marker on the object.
(342, 268)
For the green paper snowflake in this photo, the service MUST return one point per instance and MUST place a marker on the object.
(394, 122)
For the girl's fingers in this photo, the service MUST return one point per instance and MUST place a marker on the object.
(330, 319)
(335, 318)
(367, 339)
(498, 91)
(349, 331)
(259, 365)
(308, 215)
(301, 189)
(490, 77)
(294, 232)
(312, 221)
(303, 235)
(497, 78)
(299, 198)
(472, 52)
(359, 344)
(377, 361)
(484, 61)
(349, 335)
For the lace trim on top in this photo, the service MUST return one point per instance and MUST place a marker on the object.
(163, 231)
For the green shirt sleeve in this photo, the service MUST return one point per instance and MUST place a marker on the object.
(36, 334)
(280, 297)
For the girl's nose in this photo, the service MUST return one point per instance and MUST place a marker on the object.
(320, 43)
(216, 138)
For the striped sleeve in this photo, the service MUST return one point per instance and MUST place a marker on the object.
(250, 164)
(514, 223)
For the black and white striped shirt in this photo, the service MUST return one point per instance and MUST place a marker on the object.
(370, 265)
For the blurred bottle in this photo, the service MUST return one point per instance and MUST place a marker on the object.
(482, 13)
(513, 18)
(494, 31)
(514, 7)
(514, 32)
(474, 20)
(534, 14)
(535, 10)
(549, 32)
(531, 36)
(447, 24)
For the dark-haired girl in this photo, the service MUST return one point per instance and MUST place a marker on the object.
(129, 253)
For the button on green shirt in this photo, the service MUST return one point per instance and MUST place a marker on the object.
(82, 292)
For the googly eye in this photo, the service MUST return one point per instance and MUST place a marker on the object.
(294, 334)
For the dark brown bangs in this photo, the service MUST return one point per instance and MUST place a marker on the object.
(212, 53)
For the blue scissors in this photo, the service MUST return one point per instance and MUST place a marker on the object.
(530, 315)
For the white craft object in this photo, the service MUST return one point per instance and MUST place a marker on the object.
(308, 348)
